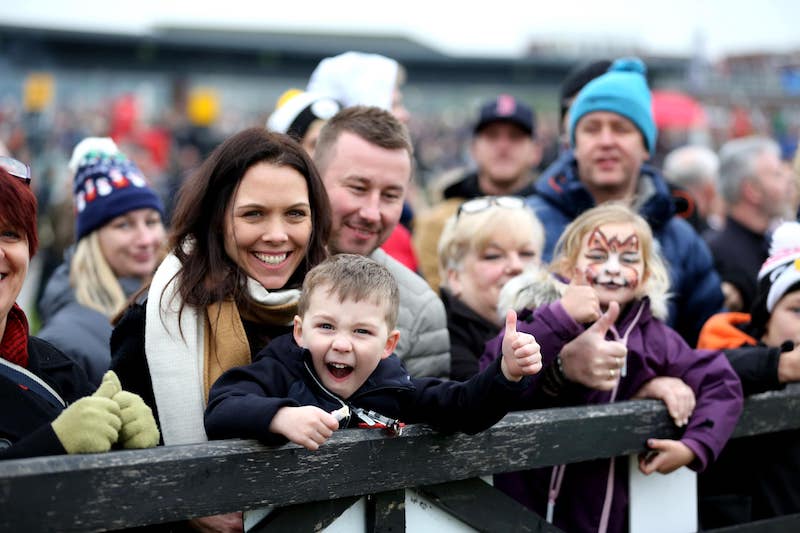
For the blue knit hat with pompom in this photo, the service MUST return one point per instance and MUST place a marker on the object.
(623, 90)
(107, 186)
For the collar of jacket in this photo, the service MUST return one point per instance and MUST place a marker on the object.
(560, 185)
(389, 374)
(459, 310)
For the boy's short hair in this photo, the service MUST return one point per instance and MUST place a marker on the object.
(353, 277)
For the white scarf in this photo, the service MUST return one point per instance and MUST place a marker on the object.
(176, 362)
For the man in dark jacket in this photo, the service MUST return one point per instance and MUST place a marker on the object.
(757, 192)
(613, 134)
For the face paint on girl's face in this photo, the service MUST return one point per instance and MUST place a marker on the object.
(612, 263)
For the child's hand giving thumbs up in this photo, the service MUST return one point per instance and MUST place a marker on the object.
(521, 355)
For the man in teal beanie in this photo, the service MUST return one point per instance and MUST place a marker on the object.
(612, 136)
(621, 90)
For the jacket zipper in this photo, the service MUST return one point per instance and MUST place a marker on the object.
(332, 395)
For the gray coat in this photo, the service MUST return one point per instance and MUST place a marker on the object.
(424, 344)
(79, 331)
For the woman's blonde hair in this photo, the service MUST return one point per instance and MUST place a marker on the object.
(474, 231)
(96, 286)
(656, 281)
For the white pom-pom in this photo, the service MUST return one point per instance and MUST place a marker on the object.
(533, 288)
(91, 144)
(784, 248)
(341, 413)
(785, 237)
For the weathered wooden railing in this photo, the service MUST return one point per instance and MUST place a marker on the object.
(131, 488)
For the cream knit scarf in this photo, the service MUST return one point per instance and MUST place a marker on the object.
(183, 367)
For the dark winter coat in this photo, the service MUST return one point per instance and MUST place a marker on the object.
(129, 360)
(468, 333)
(244, 400)
(756, 477)
(467, 188)
(738, 255)
(25, 418)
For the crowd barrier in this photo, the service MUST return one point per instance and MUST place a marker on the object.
(359, 480)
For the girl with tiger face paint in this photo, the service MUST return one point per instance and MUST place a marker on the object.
(611, 249)
(611, 263)
(625, 352)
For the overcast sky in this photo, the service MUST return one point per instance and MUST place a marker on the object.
(485, 27)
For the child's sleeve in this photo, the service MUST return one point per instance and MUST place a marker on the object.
(243, 401)
(469, 406)
(757, 367)
(719, 400)
(553, 328)
(550, 324)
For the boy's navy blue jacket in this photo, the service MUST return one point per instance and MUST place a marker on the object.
(243, 400)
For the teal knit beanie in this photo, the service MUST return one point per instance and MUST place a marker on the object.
(622, 90)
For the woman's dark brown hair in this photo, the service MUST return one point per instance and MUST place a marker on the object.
(198, 236)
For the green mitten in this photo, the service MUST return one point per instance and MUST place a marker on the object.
(109, 386)
(139, 429)
(90, 425)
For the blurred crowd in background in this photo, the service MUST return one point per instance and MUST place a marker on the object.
(168, 124)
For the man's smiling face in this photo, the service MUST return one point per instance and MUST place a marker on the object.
(366, 185)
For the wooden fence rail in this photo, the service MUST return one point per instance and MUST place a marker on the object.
(132, 488)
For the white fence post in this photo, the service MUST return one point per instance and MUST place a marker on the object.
(662, 503)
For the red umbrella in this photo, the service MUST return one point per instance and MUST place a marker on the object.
(677, 110)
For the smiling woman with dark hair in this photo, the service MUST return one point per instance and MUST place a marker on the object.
(248, 224)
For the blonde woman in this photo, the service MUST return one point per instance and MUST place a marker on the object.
(120, 236)
(49, 407)
(488, 241)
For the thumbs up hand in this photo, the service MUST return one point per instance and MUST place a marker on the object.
(521, 354)
(590, 359)
(139, 429)
(109, 386)
(580, 300)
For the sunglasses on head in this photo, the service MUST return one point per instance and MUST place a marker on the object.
(16, 168)
(485, 202)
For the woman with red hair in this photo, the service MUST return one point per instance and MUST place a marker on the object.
(38, 383)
